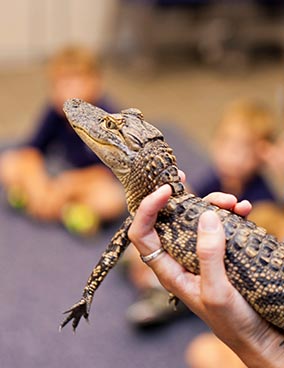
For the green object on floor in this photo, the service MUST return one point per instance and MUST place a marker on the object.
(17, 198)
(80, 219)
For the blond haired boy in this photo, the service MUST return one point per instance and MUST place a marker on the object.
(83, 182)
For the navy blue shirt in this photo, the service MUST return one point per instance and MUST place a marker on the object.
(54, 133)
(255, 190)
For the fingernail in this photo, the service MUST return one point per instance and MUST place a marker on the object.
(163, 189)
(209, 222)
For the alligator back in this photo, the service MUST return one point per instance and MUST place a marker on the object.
(254, 260)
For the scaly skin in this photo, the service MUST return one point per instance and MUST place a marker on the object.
(137, 154)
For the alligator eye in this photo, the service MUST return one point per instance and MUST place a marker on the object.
(110, 123)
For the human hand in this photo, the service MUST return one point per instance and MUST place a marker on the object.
(44, 200)
(210, 295)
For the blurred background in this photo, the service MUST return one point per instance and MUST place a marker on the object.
(177, 60)
(180, 62)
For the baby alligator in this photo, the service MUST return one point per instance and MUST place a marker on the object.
(137, 154)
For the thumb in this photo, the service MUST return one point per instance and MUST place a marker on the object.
(211, 250)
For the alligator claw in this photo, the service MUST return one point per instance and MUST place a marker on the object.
(173, 300)
(76, 312)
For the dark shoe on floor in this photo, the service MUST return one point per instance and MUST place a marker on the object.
(154, 309)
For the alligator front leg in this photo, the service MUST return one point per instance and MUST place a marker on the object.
(107, 261)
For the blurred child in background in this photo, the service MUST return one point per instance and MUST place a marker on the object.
(236, 152)
(83, 186)
(241, 140)
(274, 159)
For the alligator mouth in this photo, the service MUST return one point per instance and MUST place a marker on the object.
(80, 130)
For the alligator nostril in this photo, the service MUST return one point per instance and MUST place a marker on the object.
(75, 103)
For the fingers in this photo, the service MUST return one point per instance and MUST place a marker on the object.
(242, 208)
(210, 247)
(210, 250)
(229, 202)
(142, 232)
(224, 200)
(143, 235)
(182, 176)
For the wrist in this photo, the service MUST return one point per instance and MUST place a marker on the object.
(262, 350)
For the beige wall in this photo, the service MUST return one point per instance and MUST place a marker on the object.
(31, 29)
